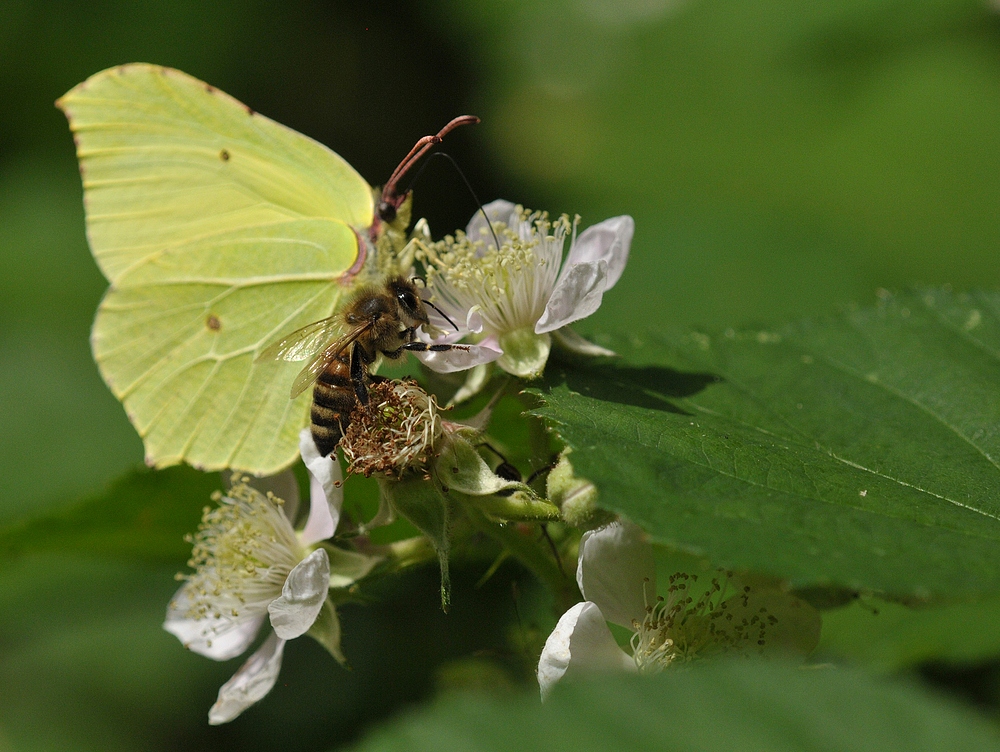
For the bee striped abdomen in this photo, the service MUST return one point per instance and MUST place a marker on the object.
(333, 401)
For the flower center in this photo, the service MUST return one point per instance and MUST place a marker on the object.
(680, 628)
(395, 431)
(509, 286)
(242, 554)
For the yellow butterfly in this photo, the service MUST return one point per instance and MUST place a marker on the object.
(218, 230)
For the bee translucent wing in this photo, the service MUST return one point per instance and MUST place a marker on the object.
(218, 229)
(317, 365)
(303, 342)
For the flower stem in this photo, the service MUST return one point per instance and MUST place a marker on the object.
(537, 559)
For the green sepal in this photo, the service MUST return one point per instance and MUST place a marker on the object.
(523, 505)
(460, 468)
(524, 352)
(425, 506)
(326, 631)
(477, 377)
(347, 567)
(465, 475)
(576, 497)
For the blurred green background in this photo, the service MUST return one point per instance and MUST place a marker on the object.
(780, 159)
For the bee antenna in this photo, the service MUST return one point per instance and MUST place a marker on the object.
(389, 196)
(446, 316)
(423, 283)
(468, 185)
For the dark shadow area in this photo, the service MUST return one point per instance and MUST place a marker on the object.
(827, 597)
(977, 683)
(399, 647)
(855, 47)
(650, 387)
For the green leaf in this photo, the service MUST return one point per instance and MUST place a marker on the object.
(143, 515)
(740, 705)
(889, 636)
(860, 450)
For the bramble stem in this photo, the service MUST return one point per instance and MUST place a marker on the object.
(537, 560)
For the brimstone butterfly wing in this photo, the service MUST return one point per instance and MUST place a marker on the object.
(218, 230)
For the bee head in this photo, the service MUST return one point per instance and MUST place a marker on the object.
(408, 299)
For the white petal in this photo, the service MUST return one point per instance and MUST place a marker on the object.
(497, 211)
(326, 493)
(474, 320)
(462, 358)
(217, 638)
(582, 642)
(446, 322)
(570, 340)
(302, 596)
(442, 332)
(609, 240)
(614, 566)
(254, 679)
(577, 295)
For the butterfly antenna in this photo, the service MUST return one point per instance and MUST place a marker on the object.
(467, 185)
(390, 199)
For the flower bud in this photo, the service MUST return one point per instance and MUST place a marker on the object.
(576, 497)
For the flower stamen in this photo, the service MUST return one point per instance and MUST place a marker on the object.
(679, 628)
(508, 286)
(242, 554)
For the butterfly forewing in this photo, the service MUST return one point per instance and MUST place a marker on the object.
(167, 158)
(214, 226)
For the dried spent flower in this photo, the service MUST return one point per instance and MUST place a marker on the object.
(395, 432)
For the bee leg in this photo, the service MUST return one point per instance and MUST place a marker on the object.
(504, 470)
(424, 347)
(359, 372)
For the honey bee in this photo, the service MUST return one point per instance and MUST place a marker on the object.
(379, 320)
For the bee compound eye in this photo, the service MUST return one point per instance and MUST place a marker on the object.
(408, 299)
